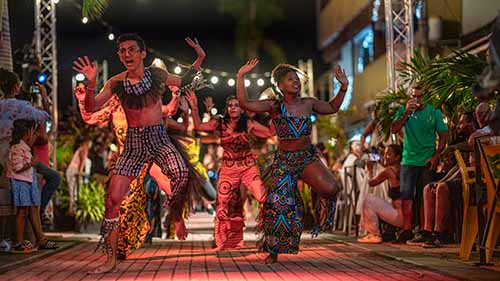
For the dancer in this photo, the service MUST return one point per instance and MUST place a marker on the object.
(238, 167)
(139, 90)
(295, 157)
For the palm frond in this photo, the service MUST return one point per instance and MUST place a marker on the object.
(94, 9)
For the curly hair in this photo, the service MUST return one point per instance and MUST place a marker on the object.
(20, 128)
(282, 69)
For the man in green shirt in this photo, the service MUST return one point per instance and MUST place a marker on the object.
(421, 126)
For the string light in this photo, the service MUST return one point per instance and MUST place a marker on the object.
(231, 82)
(80, 77)
(213, 111)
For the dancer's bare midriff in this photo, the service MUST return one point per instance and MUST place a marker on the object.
(147, 116)
(295, 144)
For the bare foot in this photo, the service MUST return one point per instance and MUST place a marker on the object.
(218, 249)
(105, 268)
(272, 258)
(181, 230)
(240, 245)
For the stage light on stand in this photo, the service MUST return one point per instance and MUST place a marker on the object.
(41, 78)
(231, 82)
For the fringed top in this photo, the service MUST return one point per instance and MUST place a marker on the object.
(144, 93)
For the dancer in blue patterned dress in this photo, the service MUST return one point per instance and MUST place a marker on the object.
(295, 159)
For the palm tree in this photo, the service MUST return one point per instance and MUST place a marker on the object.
(253, 17)
(94, 9)
(446, 82)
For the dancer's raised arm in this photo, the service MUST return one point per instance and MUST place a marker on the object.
(241, 92)
(209, 126)
(89, 70)
(334, 104)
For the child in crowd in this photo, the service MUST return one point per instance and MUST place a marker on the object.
(25, 193)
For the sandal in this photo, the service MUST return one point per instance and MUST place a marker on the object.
(48, 245)
(24, 247)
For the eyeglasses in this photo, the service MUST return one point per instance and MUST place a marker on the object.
(131, 50)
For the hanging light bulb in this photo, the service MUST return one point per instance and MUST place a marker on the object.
(111, 36)
(80, 77)
(213, 111)
(85, 20)
(247, 83)
(180, 120)
(177, 70)
(214, 79)
(231, 82)
(260, 82)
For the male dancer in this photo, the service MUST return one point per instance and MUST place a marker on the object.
(139, 90)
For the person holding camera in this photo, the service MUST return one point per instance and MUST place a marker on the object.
(421, 126)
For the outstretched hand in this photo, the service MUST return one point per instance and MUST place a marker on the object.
(251, 64)
(209, 103)
(196, 46)
(86, 67)
(341, 76)
(191, 98)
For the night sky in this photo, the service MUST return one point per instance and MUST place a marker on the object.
(164, 24)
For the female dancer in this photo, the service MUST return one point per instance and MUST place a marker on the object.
(295, 157)
(238, 167)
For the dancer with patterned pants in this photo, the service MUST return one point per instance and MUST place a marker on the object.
(134, 224)
(295, 159)
(238, 167)
(139, 91)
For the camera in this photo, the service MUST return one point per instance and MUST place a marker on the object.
(34, 89)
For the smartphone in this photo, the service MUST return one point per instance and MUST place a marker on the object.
(34, 89)
(374, 157)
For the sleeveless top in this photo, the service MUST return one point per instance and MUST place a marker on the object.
(291, 127)
(394, 193)
(234, 143)
(147, 91)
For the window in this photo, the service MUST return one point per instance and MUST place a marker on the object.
(363, 49)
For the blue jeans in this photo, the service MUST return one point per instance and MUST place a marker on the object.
(52, 183)
(412, 181)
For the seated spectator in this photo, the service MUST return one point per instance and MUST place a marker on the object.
(482, 115)
(375, 208)
(440, 196)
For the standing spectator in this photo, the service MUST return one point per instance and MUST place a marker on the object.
(75, 170)
(25, 193)
(12, 109)
(420, 124)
